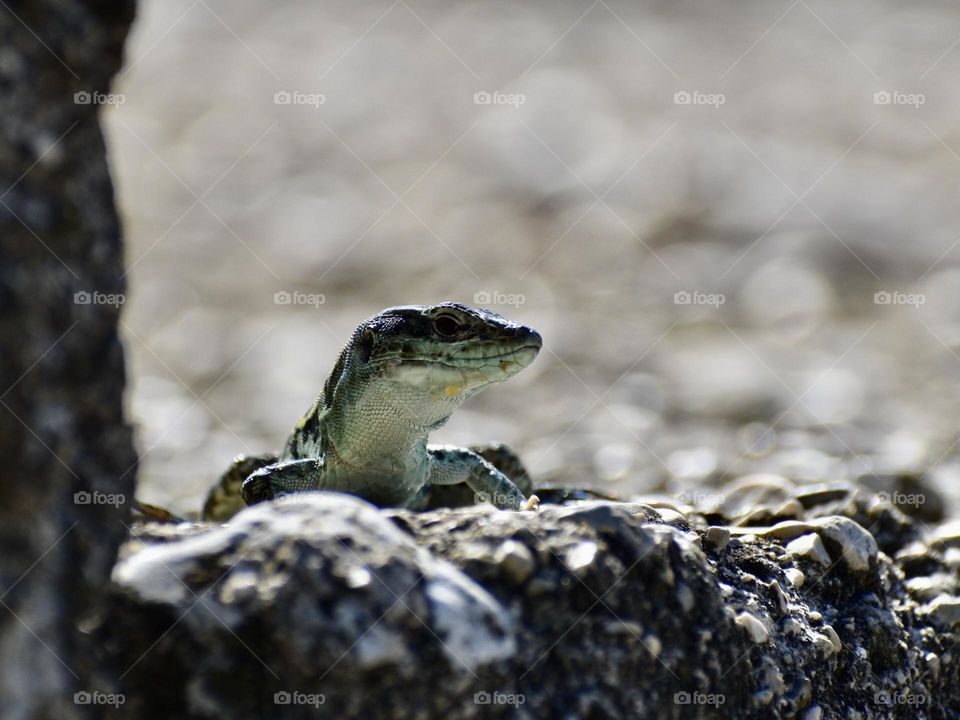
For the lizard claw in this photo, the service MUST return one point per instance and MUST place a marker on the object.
(532, 503)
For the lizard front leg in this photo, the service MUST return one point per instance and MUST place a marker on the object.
(278, 479)
(452, 465)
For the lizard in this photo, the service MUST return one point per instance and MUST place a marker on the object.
(400, 376)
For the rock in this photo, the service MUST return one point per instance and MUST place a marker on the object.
(586, 611)
(811, 547)
(718, 537)
(795, 576)
(754, 627)
(516, 559)
(69, 464)
(944, 610)
(822, 493)
(857, 546)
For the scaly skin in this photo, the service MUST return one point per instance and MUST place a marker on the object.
(401, 375)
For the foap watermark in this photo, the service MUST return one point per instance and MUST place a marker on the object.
(698, 698)
(684, 297)
(86, 297)
(895, 97)
(495, 297)
(296, 97)
(695, 97)
(899, 698)
(95, 697)
(295, 697)
(285, 297)
(914, 500)
(85, 97)
(84, 497)
(497, 499)
(499, 698)
(701, 497)
(887, 297)
(499, 98)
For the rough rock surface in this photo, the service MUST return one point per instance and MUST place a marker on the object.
(590, 610)
(61, 367)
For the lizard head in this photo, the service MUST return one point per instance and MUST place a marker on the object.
(442, 353)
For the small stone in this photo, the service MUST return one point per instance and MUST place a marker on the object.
(516, 560)
(809, 546)
(821, 494)
(944, 609)
(795, 577)
(624, 627)
(824, 644)
(653, 645)
(948, 534)
(718, 537)
(933, 664)
(814, 617)
(779, 596)
(747, 578)
(792, 626)
(754, 627)
(834, 638)
(581, 557)
(859, 548)
(813, 713)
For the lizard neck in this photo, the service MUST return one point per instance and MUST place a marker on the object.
(377, 431)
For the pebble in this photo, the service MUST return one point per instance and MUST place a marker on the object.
(833, 637)
(809, 546)
(754, 627)
(516, 560)
(779, 596)
(813, 713)
(948, 534)
(718, 537)
(858, 546)
(581, 556)
(944, 609)
(933, 664)
(824, 644)
(795, 577)
(821, 494)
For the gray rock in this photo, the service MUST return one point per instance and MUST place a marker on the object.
(809, 546)
(602, 613)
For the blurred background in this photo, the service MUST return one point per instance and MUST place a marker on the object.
(736, 227)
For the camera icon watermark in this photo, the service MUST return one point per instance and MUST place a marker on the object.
(496, 97)
(695, 97)
(295, 697)
(85, 97)
(488, 298)
(296, 97)
(887, 297)
(83, 497)
(86, 297)
(285, 297)
(498, 698)
(895, 97)
(684, 297)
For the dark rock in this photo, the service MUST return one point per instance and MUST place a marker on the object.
(585, 611)
(68, 458)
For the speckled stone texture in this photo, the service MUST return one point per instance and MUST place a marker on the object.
(62, 429)
(324, 604)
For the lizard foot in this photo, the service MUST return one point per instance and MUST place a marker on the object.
(532, 503)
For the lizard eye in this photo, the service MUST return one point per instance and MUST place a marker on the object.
(446, 326)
